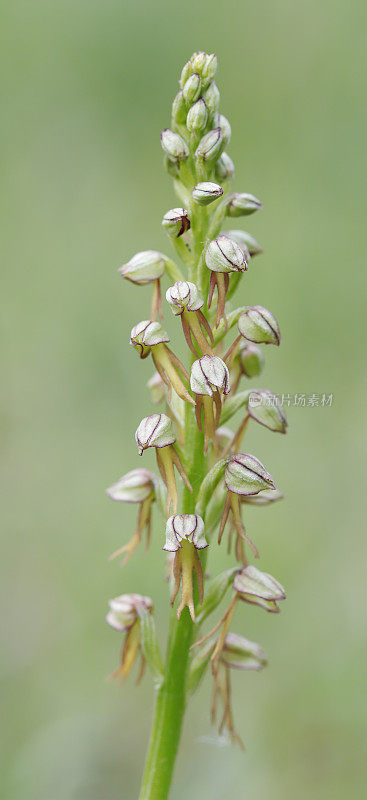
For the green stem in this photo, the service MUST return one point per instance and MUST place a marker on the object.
(171, 694)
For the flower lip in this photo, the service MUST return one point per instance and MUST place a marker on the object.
(246, 475)
(134, 487)
(123, 610)
(258, 325)
(154, 431)
(144, 267)
(189, 527)
(184, 295)
(209, 374)
(225, 255)
(147, 334)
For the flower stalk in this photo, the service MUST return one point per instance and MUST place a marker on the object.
(203, 481)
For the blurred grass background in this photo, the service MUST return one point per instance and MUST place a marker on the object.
(87, 87)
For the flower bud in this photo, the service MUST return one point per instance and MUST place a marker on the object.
(224, 255)
(186, 72)
(259, 588)
(209, 69)
(205, 192)
(241, 653)
(134, 487)
(251, 359)
(179, 110)
(224, 168)
(182, 296)
(154, 431)
(242, 204)
(264, 407)
(246, 475)
(185, 526)
(174, 146)
(209, 374)
(258, 325)
(210, 145)
(246, 241)
(212, 98)
(198, 61)
(176, 222)
(123, 610)
(144, 267)
(157, 388)
(192, 88)
(220, 121)
(197, 116)
(147, 334)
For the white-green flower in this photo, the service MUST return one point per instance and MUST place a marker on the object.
(189, 527)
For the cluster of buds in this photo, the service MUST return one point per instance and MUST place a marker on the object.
(218, 478)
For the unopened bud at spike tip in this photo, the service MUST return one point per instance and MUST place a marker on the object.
(224, 169)
(210, 146)
(206, 192)
(179, 110)
(242, 204)
(220, 121)
(191, 89)
(197, 116)
(209, 69)
(212, 99)
(174, 146)
(185, 74)
(258, 325)
(176, 222)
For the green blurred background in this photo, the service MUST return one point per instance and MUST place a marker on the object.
(87, 87)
